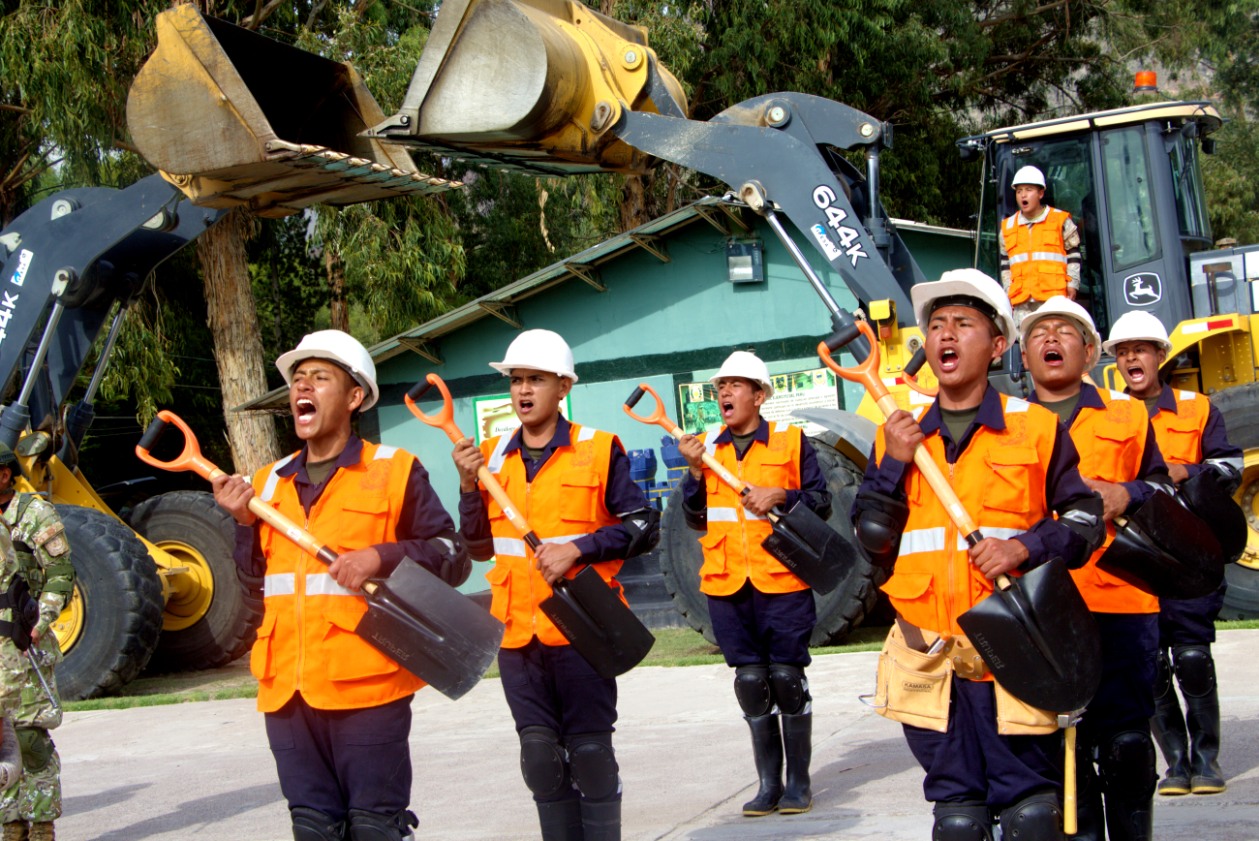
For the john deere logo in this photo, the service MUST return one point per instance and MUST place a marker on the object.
(1142, 289)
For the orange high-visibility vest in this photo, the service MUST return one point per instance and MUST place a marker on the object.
(1111, 442)
(732, 545)
(306, 642)
(565, 501)
(1179, 433)
(1000, 479)
(1038, 257)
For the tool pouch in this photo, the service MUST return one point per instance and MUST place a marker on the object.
(1015, 718)
(913, 687)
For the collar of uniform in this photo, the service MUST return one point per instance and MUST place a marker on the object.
(1039, 217)
(1167, 400)
(561, 438)
(1089, 398)
(990, 414)
(761, 434)
(349, 457)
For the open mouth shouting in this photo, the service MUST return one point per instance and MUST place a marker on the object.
(727, 409)
(1053, 357)
(524, 406)
(304, 411)
(948, 360)
(1136, 376)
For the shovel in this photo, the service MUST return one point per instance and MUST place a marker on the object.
(1165, 550)
(1205, 496)
(413, 617)
(600, 627)
(801, 540)
(1035, 632)
(1027, 629)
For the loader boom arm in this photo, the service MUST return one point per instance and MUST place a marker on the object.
(64, 263)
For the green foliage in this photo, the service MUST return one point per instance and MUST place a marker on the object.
(1232, 181)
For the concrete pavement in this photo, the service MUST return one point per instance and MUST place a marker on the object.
(203, 771)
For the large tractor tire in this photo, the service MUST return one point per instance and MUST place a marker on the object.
(206, 623)
(839, 612)
(110, 627)
(1240, 408)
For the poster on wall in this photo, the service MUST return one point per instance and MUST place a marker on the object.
(811, 389)
(495, 416)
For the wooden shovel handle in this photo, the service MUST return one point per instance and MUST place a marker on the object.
(867, 374)
(190, 459)
(1069, 804)
(445, 420)
(661, 419)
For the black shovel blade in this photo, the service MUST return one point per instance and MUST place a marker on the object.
(806, 545)
(1166, 551)
(430, 629)
(1205, 496)
(599, 625)
(1039, 639)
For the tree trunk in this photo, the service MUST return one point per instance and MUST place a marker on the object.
(233, 322)
(338, 307)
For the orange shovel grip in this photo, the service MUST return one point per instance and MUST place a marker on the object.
(189, 459)
(445, 417)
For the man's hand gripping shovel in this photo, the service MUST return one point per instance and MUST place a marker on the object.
(801, 540)
(600, 627)
(413, 617)
(1034, 633)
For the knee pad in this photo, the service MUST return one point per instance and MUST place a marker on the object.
(1195, 670)
(372, 826)
(751, 687)
(1127, 765)
(962, 822)
(314, 825)
(595, 772)
(1036, 817)
(543, 763)
(1162, 675)
(791, 689)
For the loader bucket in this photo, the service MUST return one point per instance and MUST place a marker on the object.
(235, 119)
(534, 85)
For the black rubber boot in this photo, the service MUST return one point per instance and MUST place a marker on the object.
(798, 747)
(1128, 781)
(1168, 727)
(601, 820)
(1203, 717)
(767, 750)
(560, 820)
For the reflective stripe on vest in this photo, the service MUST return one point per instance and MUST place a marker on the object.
(565, 501)
(1037, 255)
(1111, 443)
(732, 544)
(1000, 479)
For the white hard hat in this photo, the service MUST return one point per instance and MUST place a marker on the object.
(340, 347)
(1137, 325)
(962, 284)
(1061, 306)
(1029, 175)
(748, 366)
(541, 350)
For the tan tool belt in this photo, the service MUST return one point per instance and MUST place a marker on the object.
(914, 683)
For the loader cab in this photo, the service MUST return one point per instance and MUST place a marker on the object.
(1132, 182)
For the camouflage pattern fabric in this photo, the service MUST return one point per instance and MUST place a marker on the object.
(12, 662)
(46, 567)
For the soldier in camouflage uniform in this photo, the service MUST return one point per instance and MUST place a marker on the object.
(31, 805)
